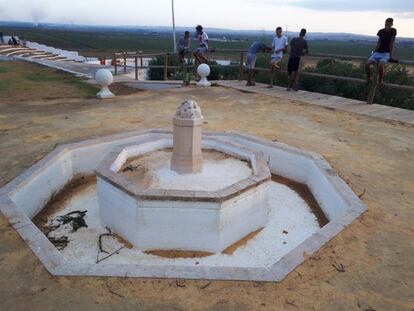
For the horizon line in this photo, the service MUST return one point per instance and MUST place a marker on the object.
(210, 28)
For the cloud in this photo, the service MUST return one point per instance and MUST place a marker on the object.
(401, 6)
(25, 10)
(408, 15)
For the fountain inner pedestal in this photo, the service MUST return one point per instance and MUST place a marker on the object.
(187, 157)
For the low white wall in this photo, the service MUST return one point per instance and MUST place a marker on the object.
(299, 167)
(136, 150)
(32, 195)
(243, 215)
(178, 225)
(117, 210)
(159, 224)
(86, 159)
(329, 199)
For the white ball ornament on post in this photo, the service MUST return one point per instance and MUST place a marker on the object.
(203, 71)
(104, 78)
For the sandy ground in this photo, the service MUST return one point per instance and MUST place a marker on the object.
(374, 156)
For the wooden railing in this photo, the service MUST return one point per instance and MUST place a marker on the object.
(119, 60)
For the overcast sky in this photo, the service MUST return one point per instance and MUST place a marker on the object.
(353, 16)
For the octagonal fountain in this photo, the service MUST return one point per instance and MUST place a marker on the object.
(178, 199)
(180, 204)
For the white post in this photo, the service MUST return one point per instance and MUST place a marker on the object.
(173, 21)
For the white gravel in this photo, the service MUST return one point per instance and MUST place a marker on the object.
(289, 214)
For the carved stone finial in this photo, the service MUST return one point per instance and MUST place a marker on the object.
(188, 109)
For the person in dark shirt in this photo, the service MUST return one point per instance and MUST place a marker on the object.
(383, 51)
(1, 37)
(298, 47)
(251, 59)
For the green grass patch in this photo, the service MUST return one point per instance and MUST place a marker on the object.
(20, 81)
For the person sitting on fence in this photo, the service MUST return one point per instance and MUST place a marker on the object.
(202, 46)
(182, 47)
(251, 59)
(298, 47)
(383, 51)
(279, 46)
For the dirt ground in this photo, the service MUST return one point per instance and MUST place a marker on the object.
(375, 157)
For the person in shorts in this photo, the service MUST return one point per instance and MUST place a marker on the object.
(279, 46)
(182, 47)
(251, 59)
(383, 51)
(298, 47)
(202, 46)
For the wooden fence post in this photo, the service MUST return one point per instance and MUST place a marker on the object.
(373, 87)
(165, 66)
(136, 68)
(241, 66)
(114, 64)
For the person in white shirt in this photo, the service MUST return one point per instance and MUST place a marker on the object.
(279, 47)
(202, 46)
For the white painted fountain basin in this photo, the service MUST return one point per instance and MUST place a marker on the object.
(170, 219)
(25, 196)
(290, 223)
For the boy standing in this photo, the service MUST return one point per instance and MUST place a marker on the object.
(182, 46)
(279, 46)
(383, 51)
(298, 47)
(202, 46)
(251, 59)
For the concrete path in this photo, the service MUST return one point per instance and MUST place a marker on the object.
(77, 68)
(336, 102)
(53, 60)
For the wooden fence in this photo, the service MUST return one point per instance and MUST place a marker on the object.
(119, 60)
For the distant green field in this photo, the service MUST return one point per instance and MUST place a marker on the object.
(104, 41)
(110, 41)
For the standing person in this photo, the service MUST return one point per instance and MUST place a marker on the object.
(298, 47)
(182, 46)
(279, 46)
(202, 46)
(1, 37)
(251, 59)
(383, 51)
